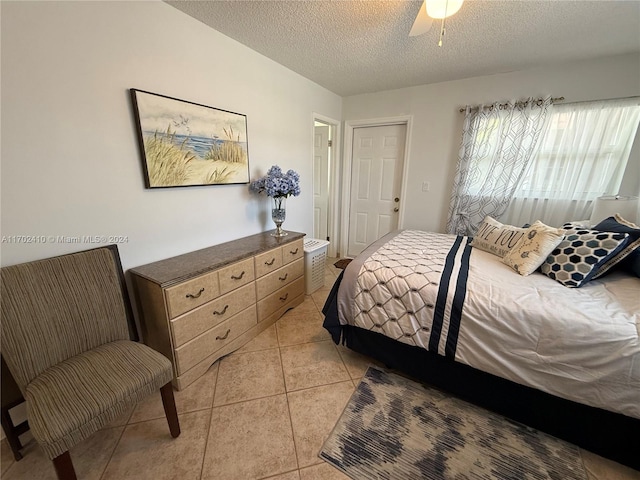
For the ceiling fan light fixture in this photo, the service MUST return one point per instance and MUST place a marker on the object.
(442, 8)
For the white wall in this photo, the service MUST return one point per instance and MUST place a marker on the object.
(437, 123)
(70, 159)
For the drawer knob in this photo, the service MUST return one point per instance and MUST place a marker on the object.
(271, 262)
(284, 299)
(191, 295)
(233, 277)
(293, 252)
(282, 279)
(223, 337)
(215, 312)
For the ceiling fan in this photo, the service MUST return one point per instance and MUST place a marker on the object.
(434, 9)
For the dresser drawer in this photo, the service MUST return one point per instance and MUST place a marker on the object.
(214, 339)
(279, 298)
(278, 279)
(292, 251)
(192, 293)
(268, 262)
(235, 275)
(201, 319)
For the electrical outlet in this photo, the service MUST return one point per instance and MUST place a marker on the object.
(426, 186)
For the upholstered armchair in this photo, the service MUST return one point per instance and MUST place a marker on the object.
(66, 340)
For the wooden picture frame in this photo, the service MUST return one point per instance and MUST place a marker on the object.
(186, 144)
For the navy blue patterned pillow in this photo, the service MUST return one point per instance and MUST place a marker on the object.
(581, 255)
(629, 258)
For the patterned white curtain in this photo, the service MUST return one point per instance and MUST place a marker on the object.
(583, 155)
(498, 142)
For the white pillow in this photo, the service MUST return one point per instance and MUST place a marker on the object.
(533, 248)
(495, 237)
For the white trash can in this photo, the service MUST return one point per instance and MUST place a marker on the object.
(315, 255)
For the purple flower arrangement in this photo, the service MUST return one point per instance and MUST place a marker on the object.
(277, 184)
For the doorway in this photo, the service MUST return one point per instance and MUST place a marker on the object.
(375, 172)
(325, 161)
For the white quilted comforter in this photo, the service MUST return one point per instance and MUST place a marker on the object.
(436, 292)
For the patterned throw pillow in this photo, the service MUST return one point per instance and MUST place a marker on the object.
(495, 237)
(581, 254)
(533, 248)
(629, 257)
(578, 224)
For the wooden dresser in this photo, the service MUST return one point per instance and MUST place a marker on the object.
(200, 306)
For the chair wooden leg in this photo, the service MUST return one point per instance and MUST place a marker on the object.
(64, 467)
(12, 432)
(169, 403)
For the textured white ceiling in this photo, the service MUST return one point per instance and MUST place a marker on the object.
(359, 46)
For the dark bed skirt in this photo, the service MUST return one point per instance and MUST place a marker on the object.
(611, 435)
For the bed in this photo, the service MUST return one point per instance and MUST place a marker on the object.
(563, 360)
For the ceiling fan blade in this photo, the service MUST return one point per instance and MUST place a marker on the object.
(422, 23)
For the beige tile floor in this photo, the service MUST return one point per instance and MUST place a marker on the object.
(262, 412)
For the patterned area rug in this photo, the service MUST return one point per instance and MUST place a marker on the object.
(394, 428)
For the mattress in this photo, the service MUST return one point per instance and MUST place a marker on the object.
(437, 292)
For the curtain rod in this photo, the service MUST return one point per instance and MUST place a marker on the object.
(521, 103)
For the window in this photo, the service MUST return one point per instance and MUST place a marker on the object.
(582, 155)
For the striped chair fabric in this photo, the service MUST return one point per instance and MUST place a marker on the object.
(65, 340)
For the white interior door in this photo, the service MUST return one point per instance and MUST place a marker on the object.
(320, 181)
(376, 176)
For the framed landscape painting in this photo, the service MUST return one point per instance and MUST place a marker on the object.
(184, 143)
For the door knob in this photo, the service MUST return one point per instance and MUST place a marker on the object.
(396, 199)
(396, 209)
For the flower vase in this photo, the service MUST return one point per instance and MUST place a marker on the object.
(278, 214)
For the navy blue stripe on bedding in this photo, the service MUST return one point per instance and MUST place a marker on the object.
(441, 299)
(458, 303)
